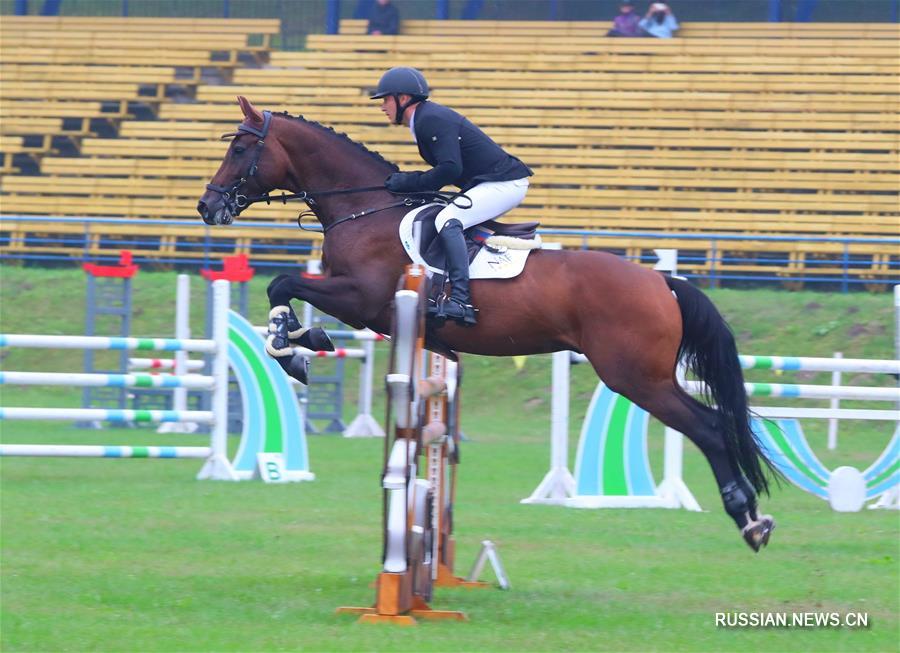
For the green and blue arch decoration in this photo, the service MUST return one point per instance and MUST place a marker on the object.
(612, 459)
(786, 446)
(272, 423)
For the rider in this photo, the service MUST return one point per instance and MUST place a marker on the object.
(461, 154)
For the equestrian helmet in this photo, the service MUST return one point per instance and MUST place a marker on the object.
(401, 80)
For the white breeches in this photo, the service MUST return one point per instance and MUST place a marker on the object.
(490, 199)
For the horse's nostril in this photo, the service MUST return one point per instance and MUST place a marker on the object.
(202, 209)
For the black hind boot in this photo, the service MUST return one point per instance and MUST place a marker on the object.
(458, 306)
(740, 504)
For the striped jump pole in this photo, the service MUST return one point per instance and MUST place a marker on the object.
(797, 363)
(162, 364)
(108, 343)
(836, 366)
(801, 391)
(115, 415)
(188, 382)
(102, 451)
(339, 352)
(364, 335)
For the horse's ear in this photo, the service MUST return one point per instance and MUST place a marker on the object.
(249, 110)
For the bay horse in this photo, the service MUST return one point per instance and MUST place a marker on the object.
(632, 323)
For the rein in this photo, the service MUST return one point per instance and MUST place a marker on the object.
(412, 198)
(238, 202)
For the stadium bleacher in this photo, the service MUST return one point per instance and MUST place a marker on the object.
(762, 128)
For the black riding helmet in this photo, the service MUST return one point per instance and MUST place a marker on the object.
(402, 80)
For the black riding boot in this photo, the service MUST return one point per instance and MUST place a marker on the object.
(458, 306)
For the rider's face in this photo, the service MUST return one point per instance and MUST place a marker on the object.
(389, 107)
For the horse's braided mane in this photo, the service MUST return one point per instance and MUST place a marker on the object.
(341, 135)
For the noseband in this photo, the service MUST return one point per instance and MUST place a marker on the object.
(236, 201)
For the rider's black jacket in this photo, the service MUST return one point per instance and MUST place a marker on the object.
(460, 152)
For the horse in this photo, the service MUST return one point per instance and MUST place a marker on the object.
(633, 324)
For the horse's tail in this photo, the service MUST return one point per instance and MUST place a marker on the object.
(709, 351)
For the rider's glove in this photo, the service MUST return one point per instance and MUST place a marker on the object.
(402, 182)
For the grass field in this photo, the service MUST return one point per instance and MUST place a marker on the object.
(138, 556)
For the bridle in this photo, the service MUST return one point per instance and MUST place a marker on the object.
(236, 202)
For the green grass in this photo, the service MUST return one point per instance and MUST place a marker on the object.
(138, 556)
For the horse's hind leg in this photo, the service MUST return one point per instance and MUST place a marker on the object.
(656, 391)
(701, 424)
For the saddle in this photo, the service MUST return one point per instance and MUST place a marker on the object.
(495, 250)
(491, 235)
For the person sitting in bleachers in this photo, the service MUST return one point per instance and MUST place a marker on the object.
(659, 22)
(384, 19)
(626, 23)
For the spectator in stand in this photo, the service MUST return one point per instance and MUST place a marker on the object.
(659, 22)
(384, 19)
(626, 23)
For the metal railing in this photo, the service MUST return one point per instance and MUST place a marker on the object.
(722, 259)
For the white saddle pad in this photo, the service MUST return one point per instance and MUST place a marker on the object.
(488, 264)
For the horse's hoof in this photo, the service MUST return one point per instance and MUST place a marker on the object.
(757, 533)
(296, 367)
(316, 339)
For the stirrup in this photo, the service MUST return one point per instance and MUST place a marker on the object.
(463, 314)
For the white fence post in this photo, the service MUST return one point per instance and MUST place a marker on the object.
(558, 484)
(364, 425)
(218, 466)
(182, 332)
(834, 403)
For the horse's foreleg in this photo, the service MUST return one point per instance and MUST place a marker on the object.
(285, 330)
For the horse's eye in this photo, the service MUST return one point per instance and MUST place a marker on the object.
(239, 149)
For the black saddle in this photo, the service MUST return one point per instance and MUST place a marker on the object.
(430, 247)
